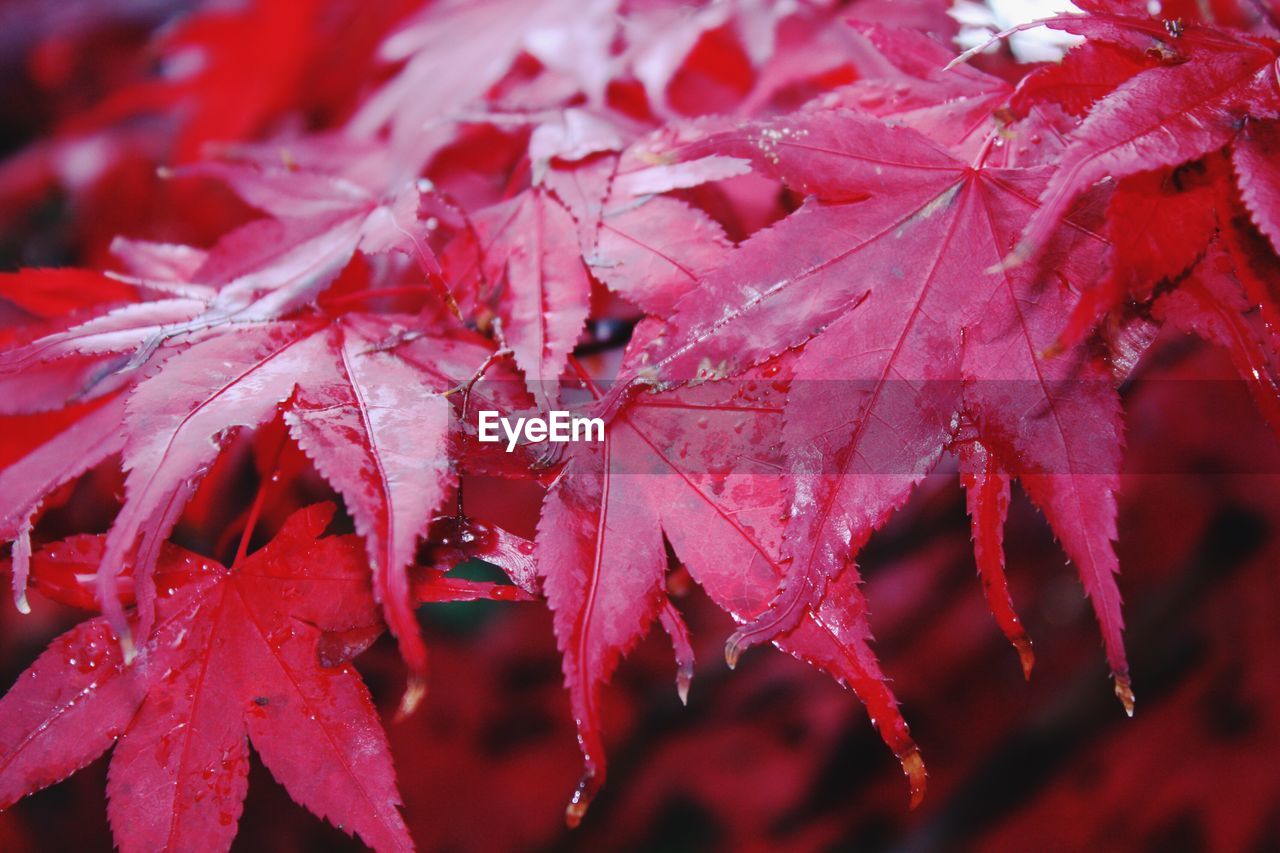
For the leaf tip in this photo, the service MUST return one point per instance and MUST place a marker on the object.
(127, 648)
(780, 617)
(684, 679)
(588, 786)
(917, 776)
(414, 692)
(733, 650)
(1026, 655)
(1124, 692)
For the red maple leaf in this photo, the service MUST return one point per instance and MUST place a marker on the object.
(697, 469)
(232, 660)
(1195, 100)
(911, 357)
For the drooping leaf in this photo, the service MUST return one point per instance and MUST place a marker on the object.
(693, 467)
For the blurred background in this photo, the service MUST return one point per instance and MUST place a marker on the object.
(773, 755)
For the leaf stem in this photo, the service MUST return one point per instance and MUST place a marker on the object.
(251, 522)
(584, 376)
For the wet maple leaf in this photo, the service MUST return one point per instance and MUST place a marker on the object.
(347, 385)
(262, 270)
(1195, 100)
(909, 359)
(232, 661)
(695, 468)
(362, 414)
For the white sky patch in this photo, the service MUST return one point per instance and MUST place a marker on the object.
(979, 21)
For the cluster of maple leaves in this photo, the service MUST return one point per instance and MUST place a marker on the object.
(796, 254)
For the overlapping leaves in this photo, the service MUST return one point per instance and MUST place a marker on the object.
(933, 268)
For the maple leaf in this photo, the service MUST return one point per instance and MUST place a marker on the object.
(713, 332)
(912, 357)
(457, 52)
(1087, 73)
(53, 293)
(375, 425)
(173, 423)
(1197, 237)
(257, 64)
(280, 38)
(986, 488)
(691, 468)
(72, 356)
(1213, 303)
(232, 661)
(317, 222)
(1252, 264)
(378, 435)
(1178, 216)
(265, 269)
(685, 57)
(1195, 101)
(532, 253)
